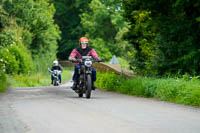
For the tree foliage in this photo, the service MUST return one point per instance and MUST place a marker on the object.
(36, 18)
(67, 17)
(173, 40)
(14, 57)
(27, 30)
(102, 23)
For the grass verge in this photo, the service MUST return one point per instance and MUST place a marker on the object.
(180, 90)
(3, 81)
(39, 79)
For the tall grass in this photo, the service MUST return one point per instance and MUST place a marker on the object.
(42, 62)
(3, 81)
(177, 90)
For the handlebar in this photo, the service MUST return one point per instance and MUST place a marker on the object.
(76, 60)
(80, 60)
(52, 71)
(99, 60)
(49, 70)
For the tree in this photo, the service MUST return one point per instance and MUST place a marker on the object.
(102, 23)
(36, 17)
(14, 57)
(176, 28)
(68, 19)
(33, 31)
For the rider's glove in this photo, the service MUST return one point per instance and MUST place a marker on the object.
(79, 60)
(76, 60)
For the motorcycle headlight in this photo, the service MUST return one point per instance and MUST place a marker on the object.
(88, 63)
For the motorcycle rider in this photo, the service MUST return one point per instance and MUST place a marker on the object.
(76, 55)
(56, 66)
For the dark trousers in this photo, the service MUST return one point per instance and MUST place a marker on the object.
(75, 76)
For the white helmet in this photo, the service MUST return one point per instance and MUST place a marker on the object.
(55, 63)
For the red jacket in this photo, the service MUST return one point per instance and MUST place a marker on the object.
(78, 53)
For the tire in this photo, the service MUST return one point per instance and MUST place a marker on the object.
(80, 95)
(89, 86)
(57, 80)
(54, 82)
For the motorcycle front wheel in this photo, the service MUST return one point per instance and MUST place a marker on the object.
(54, 82)
(80, 94)
(89, 86)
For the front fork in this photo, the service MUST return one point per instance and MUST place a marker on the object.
(88, 71)
(83, 78)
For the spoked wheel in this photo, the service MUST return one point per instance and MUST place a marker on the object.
(54, 83)
(89, 86)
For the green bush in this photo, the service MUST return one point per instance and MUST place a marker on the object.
(8, 36)
(9, 61)
(23, 56)
(168, 89)
(108, 81)
(16, 59)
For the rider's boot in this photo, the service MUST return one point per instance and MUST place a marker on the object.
(74, 87)
(51, 81)
(93, 87)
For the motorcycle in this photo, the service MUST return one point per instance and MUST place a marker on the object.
(84, 84)
(55, 74)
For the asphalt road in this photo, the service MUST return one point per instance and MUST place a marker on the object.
(59, 110)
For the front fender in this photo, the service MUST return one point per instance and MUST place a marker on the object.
(88, 70)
